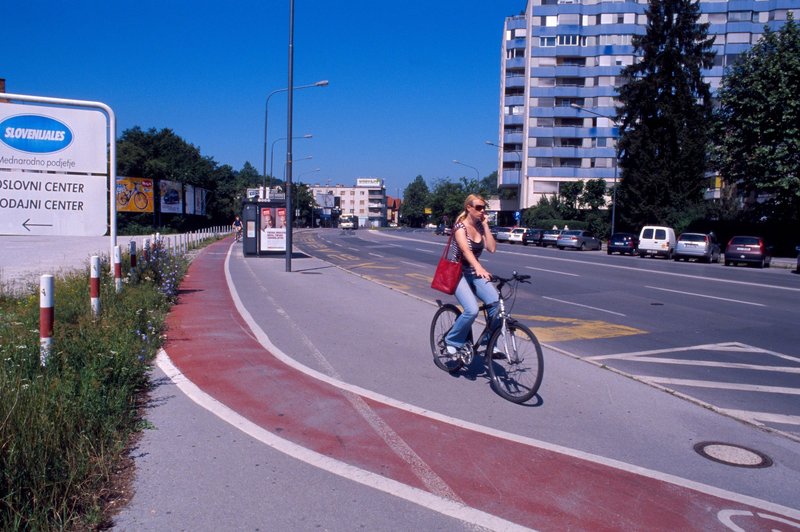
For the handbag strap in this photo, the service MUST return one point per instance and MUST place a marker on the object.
(446, 251)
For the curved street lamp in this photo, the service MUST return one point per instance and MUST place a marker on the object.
(321, 83)
(477, 173)
(616, 162)
(272, 152)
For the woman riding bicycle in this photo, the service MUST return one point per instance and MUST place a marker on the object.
(471, 235)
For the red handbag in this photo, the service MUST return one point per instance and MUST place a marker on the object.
(448, 272)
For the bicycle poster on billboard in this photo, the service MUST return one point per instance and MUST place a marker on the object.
(134, 194)
(171, 196)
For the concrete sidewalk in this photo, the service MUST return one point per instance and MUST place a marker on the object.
(597, 451)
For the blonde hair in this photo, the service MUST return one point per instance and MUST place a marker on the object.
(468, 203)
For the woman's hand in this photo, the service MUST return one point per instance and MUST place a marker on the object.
(481, 272)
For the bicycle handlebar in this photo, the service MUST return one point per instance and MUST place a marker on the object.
(522, 278)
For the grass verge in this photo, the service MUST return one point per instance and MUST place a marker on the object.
(64, 427)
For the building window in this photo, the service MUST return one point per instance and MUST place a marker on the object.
(740, 16)
(547, 42)
(544, 162)
(569, 18)
(568, 40)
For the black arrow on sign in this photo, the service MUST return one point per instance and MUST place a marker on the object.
(25, 224)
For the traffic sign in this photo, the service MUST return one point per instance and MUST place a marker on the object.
(53, 171)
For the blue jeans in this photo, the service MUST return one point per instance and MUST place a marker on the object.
(468, 287)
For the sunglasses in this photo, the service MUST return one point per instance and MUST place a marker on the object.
(478, 207)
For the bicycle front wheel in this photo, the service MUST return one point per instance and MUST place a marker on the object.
(515, 362)
(140, 200)
(442, 323)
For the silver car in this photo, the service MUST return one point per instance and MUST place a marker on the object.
(700, 246)
(550, 237)
(503, 233)
(577, 239)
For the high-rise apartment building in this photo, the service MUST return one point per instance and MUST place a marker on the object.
(566, 53)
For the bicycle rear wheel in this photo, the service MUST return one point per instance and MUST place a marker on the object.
(515, 362)
(442, 323)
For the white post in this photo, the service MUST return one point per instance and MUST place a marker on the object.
(94, 285)
(118, 268)
(46, 317)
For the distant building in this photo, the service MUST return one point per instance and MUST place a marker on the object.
(367, 200)
(393, 209)
(565, 52)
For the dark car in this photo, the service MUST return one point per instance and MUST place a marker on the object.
(532, 236)
(623, 243)
(172, 197)
(748, 250)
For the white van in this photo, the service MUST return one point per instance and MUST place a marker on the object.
(657, 240)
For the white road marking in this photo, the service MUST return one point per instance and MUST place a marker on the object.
(377, 255)
(769, 417)
(617, 266)
(365, 477)
(352, 248)
(720, 385)
(733, 347)
(552, 271)
(414, 264)
(706, 296)
(710, 364)
(584, 306)
(424, 250)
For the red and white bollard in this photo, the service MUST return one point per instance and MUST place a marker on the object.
(118, 268)
(94, 285)
(46, 317)
(133, 254)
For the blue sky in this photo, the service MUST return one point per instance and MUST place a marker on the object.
(413, 85)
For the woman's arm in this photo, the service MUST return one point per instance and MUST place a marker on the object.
(489, 242)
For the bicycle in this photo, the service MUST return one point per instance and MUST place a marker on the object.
(513, 355)
(139, 198)
(237, 233)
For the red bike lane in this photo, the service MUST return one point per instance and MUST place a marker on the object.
(212, 345)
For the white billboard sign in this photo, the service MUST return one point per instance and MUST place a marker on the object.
(33, 203)
(46, 156)
(52, 139)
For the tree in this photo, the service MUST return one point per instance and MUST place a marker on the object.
(594, 194)
(758, 124)
(664, 116)
(415, 200)
(569, 192)
(447, 200)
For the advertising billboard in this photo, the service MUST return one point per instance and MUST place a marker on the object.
(134, 194)
(171, 196)
(273, 229)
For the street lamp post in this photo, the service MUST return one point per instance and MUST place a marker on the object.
(477, 173)
(616, 161)
(321, 83)
(272, 149)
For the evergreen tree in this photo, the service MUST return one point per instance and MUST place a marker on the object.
(415, 200)
(758, 124)
(664, 117)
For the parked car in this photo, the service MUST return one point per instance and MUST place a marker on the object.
(748, 250)
(657, 241)
(516, 235)
(502, 234)
(700, 246)
(550, 237)
(797, 269)
(623, 243)
(577, 239)
(532, 236)
(443, 229)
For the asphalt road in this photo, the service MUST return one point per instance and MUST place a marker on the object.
(726, 337)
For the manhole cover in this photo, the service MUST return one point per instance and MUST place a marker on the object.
(734, 455)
